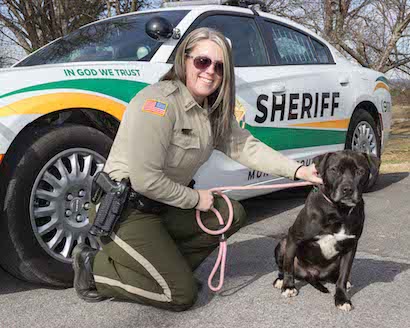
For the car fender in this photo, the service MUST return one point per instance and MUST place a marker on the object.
(36, 92)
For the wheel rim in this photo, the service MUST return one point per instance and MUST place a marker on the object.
(364, 139)
(60, 201)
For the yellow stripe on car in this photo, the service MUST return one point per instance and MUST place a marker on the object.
(6, 111)
(49, 103)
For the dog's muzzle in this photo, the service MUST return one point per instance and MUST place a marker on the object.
(347, 195)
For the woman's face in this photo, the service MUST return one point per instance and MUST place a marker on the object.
(202, 82)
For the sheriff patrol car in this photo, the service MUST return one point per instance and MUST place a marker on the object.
(61, 106)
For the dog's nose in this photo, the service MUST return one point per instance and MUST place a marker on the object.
(347, 191)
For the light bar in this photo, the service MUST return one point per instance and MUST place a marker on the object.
(193, 3)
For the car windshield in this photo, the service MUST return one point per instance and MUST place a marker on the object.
(117, 39)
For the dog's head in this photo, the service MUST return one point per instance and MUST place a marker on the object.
(345, 174)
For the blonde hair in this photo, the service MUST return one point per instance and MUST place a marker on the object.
(222, 101)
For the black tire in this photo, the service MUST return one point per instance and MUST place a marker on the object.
(361, 124)
(24, 250)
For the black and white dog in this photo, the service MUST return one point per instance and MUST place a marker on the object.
(322, 242)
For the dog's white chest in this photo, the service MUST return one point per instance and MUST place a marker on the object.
(327, 243)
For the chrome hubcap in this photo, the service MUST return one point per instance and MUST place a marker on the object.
(60, 201)
(364, 139)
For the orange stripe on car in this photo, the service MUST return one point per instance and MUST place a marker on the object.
(336, 124)
(381, 85)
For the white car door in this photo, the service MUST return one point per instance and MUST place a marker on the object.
(308, 97)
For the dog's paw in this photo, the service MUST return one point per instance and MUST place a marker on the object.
(289, 292)
(278, 283)
(345, 306)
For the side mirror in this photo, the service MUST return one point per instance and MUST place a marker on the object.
(159, 29)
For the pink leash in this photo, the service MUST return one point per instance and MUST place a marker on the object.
(221, 260)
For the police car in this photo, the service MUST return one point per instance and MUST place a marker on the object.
(61, 106)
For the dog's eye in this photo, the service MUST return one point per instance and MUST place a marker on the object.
(334, 170)
(360, 172)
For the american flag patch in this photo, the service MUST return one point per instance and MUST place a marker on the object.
(155, 107)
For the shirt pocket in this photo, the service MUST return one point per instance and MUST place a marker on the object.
(184, 150)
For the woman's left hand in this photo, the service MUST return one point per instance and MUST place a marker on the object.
(309, 173)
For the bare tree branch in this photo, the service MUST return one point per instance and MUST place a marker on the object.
(35, 23)
(375, 33)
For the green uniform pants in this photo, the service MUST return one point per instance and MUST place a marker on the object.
(150, 258)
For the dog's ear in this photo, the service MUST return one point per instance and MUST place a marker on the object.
(374, 164)
(320, 162)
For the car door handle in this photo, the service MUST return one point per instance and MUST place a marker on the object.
(278, 88)
(344, 81)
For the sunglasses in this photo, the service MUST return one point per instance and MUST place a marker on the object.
(203, 62)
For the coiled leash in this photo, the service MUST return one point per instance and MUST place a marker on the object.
(221, 260)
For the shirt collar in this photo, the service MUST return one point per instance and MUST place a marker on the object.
(188, 100)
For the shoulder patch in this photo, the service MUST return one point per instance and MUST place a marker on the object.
(155, 107)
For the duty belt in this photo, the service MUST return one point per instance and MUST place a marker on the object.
(145, 204)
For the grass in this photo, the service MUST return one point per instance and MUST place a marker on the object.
(396, 155)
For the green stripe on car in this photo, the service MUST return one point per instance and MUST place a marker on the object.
(124, 90)
(382, 79)
(288, 138)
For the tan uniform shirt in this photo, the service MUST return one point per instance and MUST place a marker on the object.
(165, 136)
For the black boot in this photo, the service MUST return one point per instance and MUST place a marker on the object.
(84, 284)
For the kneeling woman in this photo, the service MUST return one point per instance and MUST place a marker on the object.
(168, 131)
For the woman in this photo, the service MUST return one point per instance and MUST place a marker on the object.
(169, 130)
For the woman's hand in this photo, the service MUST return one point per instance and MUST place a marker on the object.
(309, 173)
(206, 200)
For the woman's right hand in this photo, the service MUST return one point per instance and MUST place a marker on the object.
(206, 200)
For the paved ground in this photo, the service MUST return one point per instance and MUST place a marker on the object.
(381, 276)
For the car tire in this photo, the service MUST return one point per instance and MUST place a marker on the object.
(43, 166)
(363, 136)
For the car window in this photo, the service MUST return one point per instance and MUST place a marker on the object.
(247, 44)
(292, 46)
(323, 54)
(118, 39)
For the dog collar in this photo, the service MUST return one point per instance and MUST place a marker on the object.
(317, 189)
(327, 198)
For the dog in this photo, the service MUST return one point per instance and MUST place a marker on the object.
(322, 242)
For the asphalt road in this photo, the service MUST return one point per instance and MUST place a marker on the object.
(380, 277)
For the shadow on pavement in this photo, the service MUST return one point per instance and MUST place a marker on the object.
(366, 272)
(387, 179)
(10, 284)
(250, 260)
(266, 206)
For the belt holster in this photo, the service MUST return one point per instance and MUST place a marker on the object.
(113, 197)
